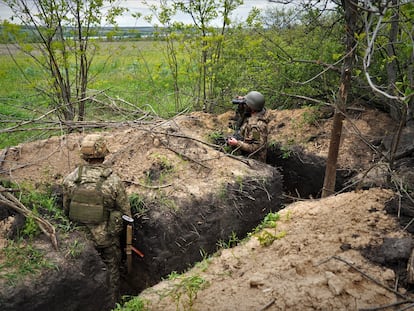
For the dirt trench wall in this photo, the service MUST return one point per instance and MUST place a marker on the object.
(303, 173)
(76, 283)
(174, 241)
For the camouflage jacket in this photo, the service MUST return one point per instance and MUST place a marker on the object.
(254, 132)
(115, 200)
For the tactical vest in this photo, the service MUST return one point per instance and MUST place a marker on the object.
(87, 204)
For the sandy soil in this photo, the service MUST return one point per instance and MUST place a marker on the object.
(316, 263)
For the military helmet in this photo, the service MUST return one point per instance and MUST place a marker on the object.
(94, 147)
(255, 100)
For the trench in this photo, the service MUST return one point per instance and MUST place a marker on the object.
(300, 176)
(176, 240)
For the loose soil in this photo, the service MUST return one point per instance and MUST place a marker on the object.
(328, 254)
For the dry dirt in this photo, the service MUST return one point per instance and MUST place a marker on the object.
(312, 267)
(316, 264)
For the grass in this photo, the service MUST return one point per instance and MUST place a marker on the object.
(265, 237)
(184, 292)
(132, 304)
(135, 72)
(21, 259)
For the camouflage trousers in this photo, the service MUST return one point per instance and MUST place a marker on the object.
(111, 256)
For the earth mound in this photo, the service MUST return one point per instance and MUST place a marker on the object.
(189, 197)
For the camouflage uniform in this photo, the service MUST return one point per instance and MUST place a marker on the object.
(254, 132)
(105, 233)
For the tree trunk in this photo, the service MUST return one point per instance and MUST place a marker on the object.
(351, 14)
(392, 66)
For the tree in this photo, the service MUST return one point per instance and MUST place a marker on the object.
(351, 17)
(203, 13)
(63, 49)
(367, 54)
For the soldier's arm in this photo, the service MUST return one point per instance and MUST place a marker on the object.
(122, 207)
(255, 139)
(68, 184)
(121, 200)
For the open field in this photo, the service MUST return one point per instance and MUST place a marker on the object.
(122, 72)
(131, 73)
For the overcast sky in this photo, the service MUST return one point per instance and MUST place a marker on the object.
(138, 6)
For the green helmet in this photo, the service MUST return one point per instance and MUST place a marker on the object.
(255, 100)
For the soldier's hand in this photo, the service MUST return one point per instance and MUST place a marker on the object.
(232, 141)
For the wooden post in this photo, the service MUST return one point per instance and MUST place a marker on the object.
(129, 247)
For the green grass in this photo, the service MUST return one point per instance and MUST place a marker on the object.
(21, 259)
(135, 72)
(132, 304)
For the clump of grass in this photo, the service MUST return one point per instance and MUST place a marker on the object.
(131, 303)
(186, 287)
(21, 259)
(268, 222)
(231, 242)
(265, 237)
(44, 205)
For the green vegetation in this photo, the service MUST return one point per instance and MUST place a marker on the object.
(269, 221)
(265, 237)
(44, 204)
(185, 291)
(232, 241)
(132, 304)
(169, 73)
(21, 259)
(137, 203)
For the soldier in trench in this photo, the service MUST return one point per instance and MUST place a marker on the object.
(252, 138)
(95, 197)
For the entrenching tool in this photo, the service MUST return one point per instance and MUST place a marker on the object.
(129, 247)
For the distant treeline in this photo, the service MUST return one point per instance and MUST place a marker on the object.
(29, 35)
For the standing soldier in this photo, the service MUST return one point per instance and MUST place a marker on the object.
(253, 129)
(95, 197)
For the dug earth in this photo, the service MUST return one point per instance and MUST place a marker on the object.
(193, 202)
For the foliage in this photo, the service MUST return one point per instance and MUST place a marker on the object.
(232, 241)
(44, 204)
(204, 51)
(75, 249)
(269, 221)
(63, 51)
(266, 238)
(137, 203)
(385, 50)
(186, 287)
(21, 259)
(262, 233)
(132, 304)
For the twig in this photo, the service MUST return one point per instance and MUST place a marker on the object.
(147, 186)
(268, 305)
(407, 307)
(386, 306)
(10, 201)
(187, 157)
(217, 147)
(367, 276)
(9, 190)
(3, 156)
